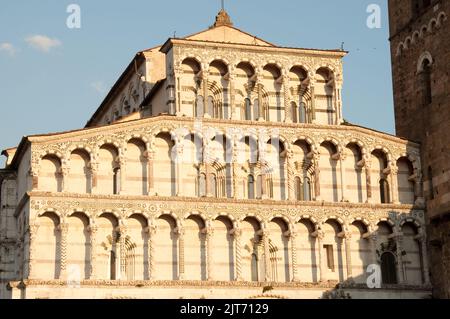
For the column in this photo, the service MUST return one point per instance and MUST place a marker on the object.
(209, 232)
(418, 191)
(122, 232)
(34, 173)
(316, 176)
(374, 246)
(93, 251)
(348, 254)
(234, 166)
(319, 236)
(150, 173)
(179, 164)
(398, 237)
(151, 232)
(287, 100)
(290, 176)
(63, 228)
(206, 113)
(267, 269)
(293, 240)
(65, 171)
(368, 166)
(342, 158)
(122, 165)
(313, 101)
(339, 102)
(94, 177)
(237, 235)
(32, 233)
(232, 100)
(180, 233)
(421, 239)
(260, 101)
(394, 184)
(206, 162)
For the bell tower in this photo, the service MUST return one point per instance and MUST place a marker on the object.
(420, 53)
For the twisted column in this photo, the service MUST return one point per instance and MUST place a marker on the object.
(122, 232)
(151, 232)
(293, 239)
(63, 228)
(209, 232)
(234, 166)
(93, 229)
(32, 234)
(237, 235)
(181, 273)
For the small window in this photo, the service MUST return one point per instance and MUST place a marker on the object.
(116, 181)
(307, 190)
(202, 185)
(330, 256)
(388, 268)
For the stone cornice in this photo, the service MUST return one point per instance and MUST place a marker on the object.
(180, 208)
(256, 48)
(205, 284)
(182, 121)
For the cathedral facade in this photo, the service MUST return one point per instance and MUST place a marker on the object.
(219, 165)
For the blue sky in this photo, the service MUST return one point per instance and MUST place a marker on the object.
(53, 78)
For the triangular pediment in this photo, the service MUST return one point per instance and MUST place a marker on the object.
(228, 34)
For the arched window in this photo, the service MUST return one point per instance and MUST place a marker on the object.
(426, 82)
(430, 183)
(251, 187)
(202, 185)
(298, 189)
(254, 267)
(307, 190)
(388, 268)
(384, 191)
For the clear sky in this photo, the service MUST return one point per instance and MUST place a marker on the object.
(53, 78)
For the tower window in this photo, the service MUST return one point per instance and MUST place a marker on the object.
(251, 187)
(388, 268)
(426, 82)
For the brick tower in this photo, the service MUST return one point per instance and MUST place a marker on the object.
(420, 49)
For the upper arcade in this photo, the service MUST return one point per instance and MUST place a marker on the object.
(228, 74)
